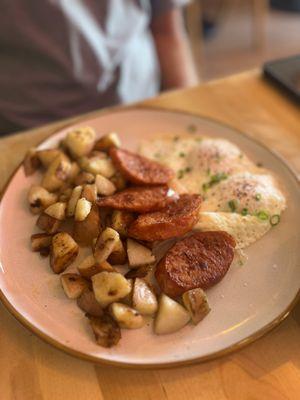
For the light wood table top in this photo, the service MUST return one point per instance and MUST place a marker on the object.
(268, 369)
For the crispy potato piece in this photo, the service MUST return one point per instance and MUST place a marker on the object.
(109, 287)
(138, 254)
(74, 285)
(118, 255)
(41, 241)
(89, 192)
(120, 221)
(80, 141)
(83, 178)
(196, 303)
(74, 172)
(104, 186)
(88, 303)
(119, 181)
(105, 244)
(85, 231)
(57, 211)
(31, 162)
(106, 330)
(98, 164)
(65, 194)
(82, 210)
(64, 250)
(143, 298)
(47, 223)
(125, 316)
(57, 173)
(107, 141)
(39, 199)
(47, 156)
(75, 196)
(89, 267)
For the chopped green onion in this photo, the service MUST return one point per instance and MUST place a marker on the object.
(232, 204)
(257, 196)
(218, 178)
(275, 219)
(180, 174)
(188, 169)
(181, 154)
(262, 215)
(244, 211)
(208, 171)
(241, 155)
(205, 187)
(192, 128)
(259, 164)
(198, 139)
(157, 155)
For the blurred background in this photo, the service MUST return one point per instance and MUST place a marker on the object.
(230, 36)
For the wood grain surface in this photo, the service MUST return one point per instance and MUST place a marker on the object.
(268, 369)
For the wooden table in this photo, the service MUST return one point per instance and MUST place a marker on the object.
(269, 369)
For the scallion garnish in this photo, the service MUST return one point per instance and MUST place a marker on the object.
(182, 154)
(214, 179)
(192, 128)
(188, 169)
(275, 219)
(257, 196)
(180, 174)
(232, 204)
(244, 211)
(262, 215)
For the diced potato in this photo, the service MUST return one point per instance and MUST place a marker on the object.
(57, 173)
(89, 267)
(47, 156)
(41, 241)
(89, 192)
(171, 316)
(57, 211)
(83, 178)
(106, 330)
(125, 316)
(196, 303)
(99, 164)
(64, 250)
(105, 142)
(138, 254)
(74, 285)
(105, 244)
(47, 223)
(143, 299)
(104, 186)
(120, 221)
(88, 303)
(118, 255)
(74, 172)
(109, 287)
(39, 199)
(82, 210)
(80, 141)
(119, 181)
(31, 162)
(128, 298)
(75, 196)
(65, 194)
(84, 232)
(140, 272)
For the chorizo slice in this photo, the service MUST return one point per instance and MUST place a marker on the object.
(139, 199)
(138, 169)
(175, 220)
(197, 261)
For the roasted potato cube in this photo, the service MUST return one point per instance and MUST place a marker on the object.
(104, 186)
(106, 330)
(75, 196)
(143, 299)
(106, 244)
(118, 255)
(88, 303)
(57, 211)
(74, 285)
(64, 250)
(89, 267)
(41, 241)
(47, 156)
(140, 272)
(119, 181)
(57, 173)
(82, 210)
(120, 221)
(109, 287)
(125, 316)
(39, 199)
(31, 162)
(138, 254)
(196, 303)
(84, 232)
(171, 316)
(83, 178)
(47, 223)
(80, 141)
(89, 192)
(99, 164)
(105, 142)
(65, 194)
(74, 172)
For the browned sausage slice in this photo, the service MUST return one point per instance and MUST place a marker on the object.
(140, 170)
(139, 199)
(198, 261)
(176, 219)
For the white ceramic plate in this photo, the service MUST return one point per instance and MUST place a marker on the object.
(248, 302)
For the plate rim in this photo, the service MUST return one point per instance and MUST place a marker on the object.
(212, 356)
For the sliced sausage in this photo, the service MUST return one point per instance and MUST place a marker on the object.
(140, 170)
(138, 199)
(176, 219)
(198, 261)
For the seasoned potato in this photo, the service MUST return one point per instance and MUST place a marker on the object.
(65, 194)
(105, 142)
(83, 178)
(84, 232)
(138, 254)
(74, 172)
(47, 156)
(75, 196)
(105, 244)
(57, 211)
(57, 173)
(31, 162)
(120, 221)
(80, 141)
(106, 330)
(171, 316)
(126, 316)
(119, 181)
(41, 241)
(143, 299)
(89, 267)
(74, 285)
(47, 223)
(39, 199)
(109, 287)
(104, 186)
(89, 192)
(118, 255)
(99, 164)
(88, 303)
(140, 272)
(64, 250)
(196, 303)
(82, 210)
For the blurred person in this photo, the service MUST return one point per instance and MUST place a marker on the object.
(60, 58)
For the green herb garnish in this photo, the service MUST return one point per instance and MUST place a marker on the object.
(232, 204)
(157, 155)
(275, 219)
(188, 169)
(205, 187)
(180, 174)
(259, 164)
(192, 128)
(262, 215)
(214, 180)
(181, 154)
(257, 196)
(208, 171)
(244, 211)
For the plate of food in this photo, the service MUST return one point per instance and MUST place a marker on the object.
(150, 238)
